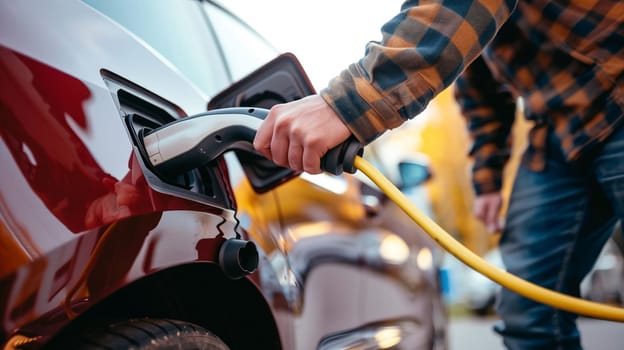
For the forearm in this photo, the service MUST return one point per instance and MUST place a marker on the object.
(423, 50)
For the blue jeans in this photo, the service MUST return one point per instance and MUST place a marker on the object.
(557, 223)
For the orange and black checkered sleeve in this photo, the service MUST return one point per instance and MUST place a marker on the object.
(489, 109)
(423, 50)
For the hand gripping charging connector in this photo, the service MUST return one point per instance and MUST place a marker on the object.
(194, 141)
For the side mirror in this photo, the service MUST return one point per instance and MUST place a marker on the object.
(413, 173)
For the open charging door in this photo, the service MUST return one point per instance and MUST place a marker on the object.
(280, 80)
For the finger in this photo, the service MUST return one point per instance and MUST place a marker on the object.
(295, 157)
(311, 161)
(491, 217)
(264, 135)
(479, 211)
(279, 150)
(501, 224)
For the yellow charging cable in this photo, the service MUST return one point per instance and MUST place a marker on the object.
(505, 279)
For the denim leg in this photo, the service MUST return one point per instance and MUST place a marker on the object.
(608, 168)
(557, 222)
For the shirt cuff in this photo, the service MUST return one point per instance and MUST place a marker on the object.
(367, 112)
(487, 180)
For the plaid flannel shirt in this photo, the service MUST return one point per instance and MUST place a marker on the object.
(565, 58)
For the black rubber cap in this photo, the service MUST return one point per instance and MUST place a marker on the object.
(342, 157)
(238, 258)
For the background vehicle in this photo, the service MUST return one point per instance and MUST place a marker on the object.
(602, 284)
(96, 248)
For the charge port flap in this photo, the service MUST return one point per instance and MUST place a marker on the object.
(280, 80)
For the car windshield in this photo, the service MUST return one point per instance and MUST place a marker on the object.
(243, 48)
(177, 30)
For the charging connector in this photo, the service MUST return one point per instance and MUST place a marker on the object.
(192, 142)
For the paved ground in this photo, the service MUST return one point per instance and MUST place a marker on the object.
(476, 333)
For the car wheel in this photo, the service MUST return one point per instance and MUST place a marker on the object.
(150, 334)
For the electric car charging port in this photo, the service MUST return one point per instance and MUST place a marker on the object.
(191, 180)
(202, 184)
(142, 111)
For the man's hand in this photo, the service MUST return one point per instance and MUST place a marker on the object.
(297, 134)
(487, 208)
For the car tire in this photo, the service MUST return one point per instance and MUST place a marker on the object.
(150, 334)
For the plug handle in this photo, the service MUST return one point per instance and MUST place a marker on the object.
(342, 157)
